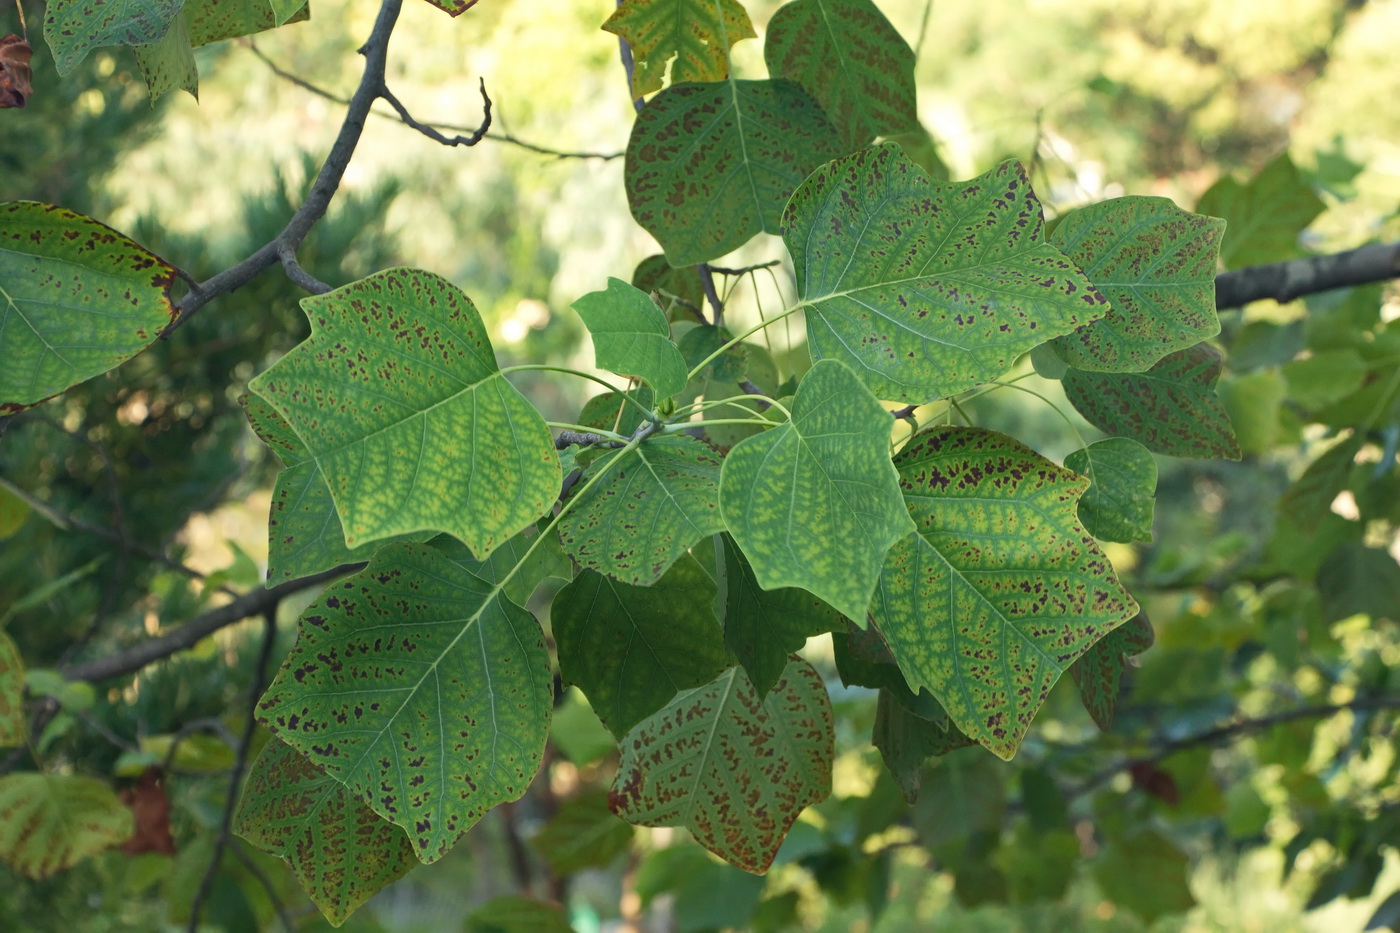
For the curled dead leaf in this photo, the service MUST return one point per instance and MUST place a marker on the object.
(151, 808)
(14, 71)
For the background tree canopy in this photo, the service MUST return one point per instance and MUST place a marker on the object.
(696, 465)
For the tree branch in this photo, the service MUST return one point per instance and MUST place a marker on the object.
(707, 285)
(476, 135)
(198, 628)
(1284, 281)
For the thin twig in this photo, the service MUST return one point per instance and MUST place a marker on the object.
(905, 413)
(707, 285)
(299, 276)
(240, 764)
(23, 26)
(198, 628)
(745, 270)
(470, 140)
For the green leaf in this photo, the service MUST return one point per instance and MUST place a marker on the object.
(1359, 580)
(13, 513)
(815, 502)
(73, 28)
(696, 33)
(1325, 377)
(216, 20)
(397, 396)
(906, 741)
(863, 659)
(631, 648)
(577, 732)
(583, 833)
(1099, 671)
(849, 57)
(1265, 216)
(339, 849)
(12, 725)
(928, 290)
(1000, 588)
(73, 695)
(511, 913)
(730, 366)
(422, 689)
(611, 412)
(304, 535)
(523, 563)
(631, 337)
(1119, 502)
(1309, 500)
(733, 769)
(655, 274)
(1171, 409)
(168, 64)
(763, 627)
(76, 299)
(964, 798)
(1155, 263)
(1146, 874)
(710, 165)
(652, 503)
(1253, 402)
(50, 822)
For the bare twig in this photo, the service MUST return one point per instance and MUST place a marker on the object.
(299, 276)
(584, 439)
(902, 414)
(23, 26)
(629, 66)
(240, 764)
(707, 285)
(432, 133)
(200, 627)
(1284, 281)
(745, 270)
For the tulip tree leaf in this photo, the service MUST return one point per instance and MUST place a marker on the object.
(520, 565)
(216, 20)
(1265, 216)
(397, 396)
(611, 412)
(697, 34)
(927, 290)
(652, 503)
(339, 849)
(1118, 505)
(1309, 500)
(73, 28)
(168, 64)
(1099, 671)
(49, 822)
(849, 57)
(1000, 589)
(906, 741)
(1171, 408)
(12, 726)
(421, 688)
(303, 530)
(763, 627)
(631, 337)
(733, 769)
(710, 165)
(631, 648)
(814, 502)
(76, 299)
(583, 833)
(1155, 263)
(655, 274)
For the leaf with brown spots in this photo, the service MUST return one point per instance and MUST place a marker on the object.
(632, 648)
(906, 740)
(50, 822)
(651, 505)
(76, 299)
(733, 769)
(339, 849)
(453, 7)
(927, 290)
(12, 725)
(1170, 409)
(420, 687)
(848, 56)
(696, 34)
(711, 165)
(1099, 671)
(73, 28)
(1155, 263)
(1001, 587)
(397, 397)
(15, 75)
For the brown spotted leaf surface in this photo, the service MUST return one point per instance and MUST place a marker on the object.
(733, 769)
(692, 36)
(1155, 263)
(339, 849)
(76, 299)
(1000, 589)
(397, 397)
(1170, 409)
(652, 503)
(927, 290)
(73, 28)
(15, 73)
(849, 57)
(420, 687)
(1099, 671)
(632, 648)
(710, 165)
(49, 822)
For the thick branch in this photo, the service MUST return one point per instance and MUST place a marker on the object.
(198, 628)
(1284, 281)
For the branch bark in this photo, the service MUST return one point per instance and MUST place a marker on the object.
(1285, 281)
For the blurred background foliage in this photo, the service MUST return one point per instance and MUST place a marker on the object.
(1258, 608)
